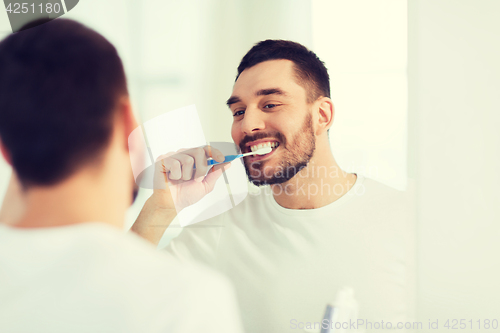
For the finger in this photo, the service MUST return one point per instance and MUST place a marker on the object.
(223, 166)
(200, 161)
(164, 156)
(212, 178)
(214, 174)
(187, 163)
(173, 168)
(214, 153)
(208, 150)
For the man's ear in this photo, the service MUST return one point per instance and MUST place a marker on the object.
(127, 117)
(325, 114)
(5, 153)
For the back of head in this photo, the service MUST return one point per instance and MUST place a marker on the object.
(59, 84)
(310, 71)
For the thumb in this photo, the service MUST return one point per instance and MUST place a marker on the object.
(213, 175)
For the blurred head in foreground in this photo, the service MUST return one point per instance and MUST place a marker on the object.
(65, 114)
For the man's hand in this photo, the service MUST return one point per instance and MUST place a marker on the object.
(180, 180)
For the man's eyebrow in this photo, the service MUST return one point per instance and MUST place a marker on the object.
(271, 91)
(262, 92)
(232, 100)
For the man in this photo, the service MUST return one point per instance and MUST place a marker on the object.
(65, 264)
(315, 229)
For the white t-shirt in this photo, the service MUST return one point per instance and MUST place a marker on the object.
(93, 277)
(287, 264)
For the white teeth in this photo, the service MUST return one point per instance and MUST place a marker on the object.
(262, 145)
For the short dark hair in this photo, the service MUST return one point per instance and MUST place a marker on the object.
(59, 85)
(310, 70)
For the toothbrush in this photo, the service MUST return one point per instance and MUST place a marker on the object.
(229, 158)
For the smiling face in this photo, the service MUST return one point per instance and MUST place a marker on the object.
(270, 108)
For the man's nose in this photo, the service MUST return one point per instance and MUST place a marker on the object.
(252, 121)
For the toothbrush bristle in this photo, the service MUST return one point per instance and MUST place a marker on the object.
(264, 150)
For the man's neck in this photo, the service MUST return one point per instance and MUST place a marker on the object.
(82, 198)
(320, 183)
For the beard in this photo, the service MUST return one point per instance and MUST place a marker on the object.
(295, 156)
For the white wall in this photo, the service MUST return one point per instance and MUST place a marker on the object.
(454, 84)
(366, 57)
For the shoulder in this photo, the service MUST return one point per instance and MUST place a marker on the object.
(384, 206)
(105, 268)
(175, 294)
(377, 192)
(128, 259)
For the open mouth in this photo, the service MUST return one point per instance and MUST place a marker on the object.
(262, 144)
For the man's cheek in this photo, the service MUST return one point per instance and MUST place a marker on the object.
(234, 135)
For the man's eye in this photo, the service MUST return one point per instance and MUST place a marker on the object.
(238, 113)
(270, 106)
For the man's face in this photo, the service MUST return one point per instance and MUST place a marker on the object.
(270, 108)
